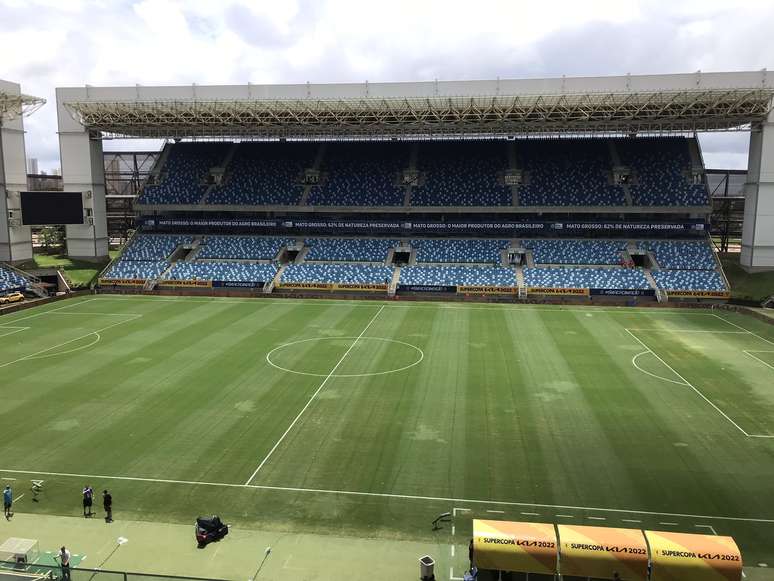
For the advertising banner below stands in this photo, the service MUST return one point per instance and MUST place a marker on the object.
(487, 290)
(515, 546)
(187, 283)
(426, 288)
(617, 292)
(688, 557)
(360, 287)
(237, 284)
(306, 285)
(122, 281)
(600, 552)
(700, 294)
(541, 290)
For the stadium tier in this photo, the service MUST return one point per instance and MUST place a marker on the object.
(448, 250)
(136, 269)
(349, 249)
(576, 251)
(693, 280)
(153, 246)
(264, 174)
(603, 278)
(681, 255)
(224, 271)
(641, 172)
(242, 247)
(358, 175)
(458, 275)
(337, 273)
(11, 280)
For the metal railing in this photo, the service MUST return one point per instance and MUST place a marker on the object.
(20, 571)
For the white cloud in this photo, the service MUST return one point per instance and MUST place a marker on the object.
(70, 43)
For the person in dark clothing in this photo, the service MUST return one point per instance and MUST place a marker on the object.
(88, 499)
(470, 554)
(64, 562)
(107, 503)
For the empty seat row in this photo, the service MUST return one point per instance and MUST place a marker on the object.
(576, 251)
(225, 271)
(137, 269)
(242, 247)
(607, 278)
(458, 275)
(678, 254)
(153, 246)
(448, 250)
(337, 273)
(695, 280)
(10, 279)
(349, 249)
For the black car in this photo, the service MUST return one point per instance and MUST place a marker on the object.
(209, 529)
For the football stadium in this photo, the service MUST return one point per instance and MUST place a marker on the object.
(448, 329)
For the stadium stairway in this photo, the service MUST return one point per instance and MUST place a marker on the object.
(301, 256)
(520, 282)
(318, 159)
(224, 168)
(393, 286)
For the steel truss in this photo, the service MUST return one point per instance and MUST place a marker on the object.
(12, 106)
(659, 111)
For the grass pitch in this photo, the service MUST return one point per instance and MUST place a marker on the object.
(369, 419)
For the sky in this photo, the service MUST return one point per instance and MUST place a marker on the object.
(55, 43)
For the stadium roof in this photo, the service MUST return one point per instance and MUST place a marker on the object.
(14, 103)
(624, 104)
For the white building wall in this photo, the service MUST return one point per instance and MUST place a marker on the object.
(15, 241)
(758, 230)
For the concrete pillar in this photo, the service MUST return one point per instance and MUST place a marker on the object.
(758, 229)
(15, 240)
(83, 170)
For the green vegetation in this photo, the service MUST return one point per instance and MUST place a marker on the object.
(78, 273)
(388, 414)
(744, 285)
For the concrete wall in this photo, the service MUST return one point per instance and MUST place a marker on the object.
(758, 230)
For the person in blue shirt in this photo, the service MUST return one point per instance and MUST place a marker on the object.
(8, 501)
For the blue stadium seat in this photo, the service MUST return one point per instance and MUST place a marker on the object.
(609, 278)
(576, 251)
(265, 174)
(462, 173)
(153, 246)
(338, 273)
(183, 174)
(458, 275)
(474, 250)
(225, 271)
(698, 280)
(567, 172)
(137, 269)
(361, 174)
(242, 247)
(10, 279)
(349, 249)
(671, 254)
(662, 166)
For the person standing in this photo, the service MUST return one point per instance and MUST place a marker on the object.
(88, 500)
(64, 562)
(8, 501)
(107, 503)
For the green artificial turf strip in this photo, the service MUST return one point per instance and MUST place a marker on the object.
(744, 285)
(534, 406)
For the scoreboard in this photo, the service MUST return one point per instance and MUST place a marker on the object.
(51, 208)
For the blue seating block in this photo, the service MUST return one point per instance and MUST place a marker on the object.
(183, 174)
(242, 247)
(10, 279)
(672, 254)
(458, 275)
(699, 280)
(449, 250)
(576, 251)
(349, 249)
(609, 278)
(225, 271)
(338, 273)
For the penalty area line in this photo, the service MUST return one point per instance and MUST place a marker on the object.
(505, 503)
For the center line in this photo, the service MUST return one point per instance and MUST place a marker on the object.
(314, 395)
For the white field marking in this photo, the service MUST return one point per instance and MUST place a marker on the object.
(96, 340)
(113, 314)
(41, 352)
(687, 383)
(688, 331)
(596, 518)
(750, 353)
(634, 362)
(18, 497)
(745, 330)
(67, 306)
(417, 362)
(395, 496)
(453, 530)
(15, 330)
(531, 513)
(632, 520)
(314, 395)
(710, 527)
(452, 550)
(564, 516)
(455, 509)
(440, 305)
(669, 524)
(496, 511)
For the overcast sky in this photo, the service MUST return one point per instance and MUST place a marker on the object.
(53, 43)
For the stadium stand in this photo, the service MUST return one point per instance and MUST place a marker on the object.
(662, 168)
(265, 174)
(576, 251)
(137, 269)
(695, 280)
(361, 174)
(11, 280)
(242, 247)
(225, 271)
(568, 172)
(153, 246)
(337, 273)
(462, 251)
(462, 173)
(607, 278)
(184, 173)
(672, 254)
(458, 275)
(349, 249)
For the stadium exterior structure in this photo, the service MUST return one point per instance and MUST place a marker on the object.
(621, 105)
(15, 239)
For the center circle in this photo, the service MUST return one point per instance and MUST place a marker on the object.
(273, 357)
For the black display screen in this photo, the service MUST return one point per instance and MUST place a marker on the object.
(42, 208)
